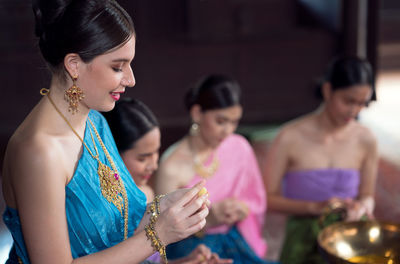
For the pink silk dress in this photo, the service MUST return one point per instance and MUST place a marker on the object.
(238, 175)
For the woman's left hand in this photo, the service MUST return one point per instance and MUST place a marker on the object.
(227, 211)
(238, 210)
(216, 260)
(202, 255)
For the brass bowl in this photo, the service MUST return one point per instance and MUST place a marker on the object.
(361, 242)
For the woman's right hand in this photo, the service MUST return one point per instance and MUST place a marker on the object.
(184, 217)
(319, 208)
(357, 209)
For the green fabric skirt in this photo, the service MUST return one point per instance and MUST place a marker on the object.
(300, 245)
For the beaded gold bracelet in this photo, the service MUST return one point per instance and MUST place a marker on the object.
(155, 241)
(154, 211)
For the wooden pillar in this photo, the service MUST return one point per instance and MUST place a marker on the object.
(354, 24)
(373, 33)
(360, 30)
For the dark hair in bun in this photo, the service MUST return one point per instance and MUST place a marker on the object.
(214, 92)
(345, 72)
(129, 121)
(86, 27)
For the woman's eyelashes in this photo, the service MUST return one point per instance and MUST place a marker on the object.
(117, 69)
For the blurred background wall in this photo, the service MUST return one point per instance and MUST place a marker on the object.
(275, 48)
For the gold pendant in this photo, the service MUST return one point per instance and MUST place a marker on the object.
(110, 185)
(206, 172)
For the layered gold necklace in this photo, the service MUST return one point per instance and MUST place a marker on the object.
(198, 164)
(111, 184)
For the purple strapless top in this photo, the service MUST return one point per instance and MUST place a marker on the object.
(321, 184)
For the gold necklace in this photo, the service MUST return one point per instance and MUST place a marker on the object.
(111, 184)
(199, 167)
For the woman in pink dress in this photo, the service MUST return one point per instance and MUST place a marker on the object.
(212, 151)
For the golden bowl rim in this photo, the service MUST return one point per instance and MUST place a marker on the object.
(371, 222)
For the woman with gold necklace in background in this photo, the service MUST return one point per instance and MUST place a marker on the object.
(227, 161)
(69, 196)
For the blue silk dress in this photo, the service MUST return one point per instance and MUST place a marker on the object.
(94, 223)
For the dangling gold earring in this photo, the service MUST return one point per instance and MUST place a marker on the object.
(194, 129)
(73, 96)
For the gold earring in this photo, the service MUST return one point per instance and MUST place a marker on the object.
(73, 96)
(194, 129)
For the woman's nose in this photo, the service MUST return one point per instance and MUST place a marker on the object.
(355, 110)
(153, 164)
(129, 79)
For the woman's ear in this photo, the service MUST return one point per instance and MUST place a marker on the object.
(326, 91)
(195, 113)
(72, 61)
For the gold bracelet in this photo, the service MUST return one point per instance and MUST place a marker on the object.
(154, 208)
(157, 200)
(156, 243)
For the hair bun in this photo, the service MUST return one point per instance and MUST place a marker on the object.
(191, 97)
(47, 13)
(214, 91)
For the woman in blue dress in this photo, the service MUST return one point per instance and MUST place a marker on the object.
(69, 196)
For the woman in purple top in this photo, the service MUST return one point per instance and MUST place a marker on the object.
(324, 157)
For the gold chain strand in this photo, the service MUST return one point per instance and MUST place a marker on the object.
(112, 190)
(111, 184)
(45, 91)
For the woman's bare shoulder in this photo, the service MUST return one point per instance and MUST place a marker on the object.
(366, 136)
(174, 154)
(175, 161)
(295, 129)
(35, 151)
(31, 157)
